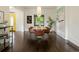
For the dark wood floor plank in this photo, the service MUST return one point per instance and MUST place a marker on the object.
(23, 43)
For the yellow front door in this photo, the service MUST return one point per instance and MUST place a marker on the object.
(12, 21)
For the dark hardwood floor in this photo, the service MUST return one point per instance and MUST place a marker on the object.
(23, 42)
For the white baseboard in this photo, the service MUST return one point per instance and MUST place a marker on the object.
(61, 34)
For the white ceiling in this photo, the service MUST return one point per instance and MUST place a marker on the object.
(31, 7)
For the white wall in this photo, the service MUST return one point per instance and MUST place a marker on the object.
(19, 19)
(32, 11)
(72, 24)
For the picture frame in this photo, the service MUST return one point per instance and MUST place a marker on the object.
(38, 21)
(1, 16)
(29, 19)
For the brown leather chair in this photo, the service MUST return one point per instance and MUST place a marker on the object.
(47, 30)
(30, 29)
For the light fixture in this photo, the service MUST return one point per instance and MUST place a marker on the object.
(38, 11)
(11, 9)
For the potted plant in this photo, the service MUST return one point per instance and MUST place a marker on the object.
(50, 22)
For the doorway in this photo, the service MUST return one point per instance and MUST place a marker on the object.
(12, 21)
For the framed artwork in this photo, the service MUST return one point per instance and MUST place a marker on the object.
(38, 21)
(1, 16)
(29, 19)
